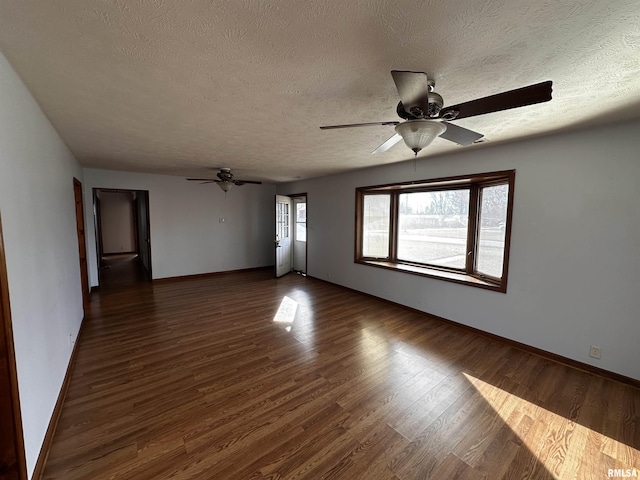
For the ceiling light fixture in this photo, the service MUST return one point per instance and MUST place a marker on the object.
(225, 185)
(418, 134)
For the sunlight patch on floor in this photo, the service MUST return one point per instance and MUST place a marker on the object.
(286, 312)
(562, 445)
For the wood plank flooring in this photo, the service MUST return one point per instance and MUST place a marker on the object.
(120, 269)
(242, 376)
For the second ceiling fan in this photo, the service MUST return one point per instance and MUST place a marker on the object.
(425, 116)
(225, 180)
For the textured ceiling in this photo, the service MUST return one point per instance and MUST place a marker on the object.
(178, 87)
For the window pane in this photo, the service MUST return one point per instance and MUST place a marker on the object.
(301, 212)
(375, 226)
(301, 231)
(432, 227)
(491, 234)
(282, 230)
(301, 221)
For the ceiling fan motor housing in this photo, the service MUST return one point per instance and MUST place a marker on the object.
(225, 175)
(435, 105)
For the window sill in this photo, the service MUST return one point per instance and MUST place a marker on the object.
(435, 273)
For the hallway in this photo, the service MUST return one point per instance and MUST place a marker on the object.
(121, 269)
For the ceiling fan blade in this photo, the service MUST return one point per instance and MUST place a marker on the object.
(204, 180)
(388, 144)
(413, 88)
(242, 182)
(460, 135)
(538, 93)
(351, 125)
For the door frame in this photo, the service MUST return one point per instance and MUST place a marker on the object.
(140, 243)
(144, 243)
(9, 393)
(292, 217)
(82, 243)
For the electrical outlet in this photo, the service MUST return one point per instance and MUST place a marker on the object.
(71, 340)
(595, 351)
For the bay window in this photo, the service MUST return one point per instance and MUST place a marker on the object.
(455, 228)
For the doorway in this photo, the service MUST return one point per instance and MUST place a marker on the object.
(291, 234)
(122, 236)
(12, 458)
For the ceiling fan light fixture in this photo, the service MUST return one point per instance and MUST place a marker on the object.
(225, 185)
(418, 134)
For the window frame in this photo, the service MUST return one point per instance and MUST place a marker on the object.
(469, 275)
(297, 220)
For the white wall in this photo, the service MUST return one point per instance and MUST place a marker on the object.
(574, 272)
(117, 222)
(186, 235)
(39, 224)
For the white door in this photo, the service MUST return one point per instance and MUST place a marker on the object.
(283, 235)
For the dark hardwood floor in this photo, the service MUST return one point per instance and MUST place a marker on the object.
(121, 269)
(242, 376)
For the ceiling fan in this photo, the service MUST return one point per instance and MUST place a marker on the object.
(225, 180)
(424, 117)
